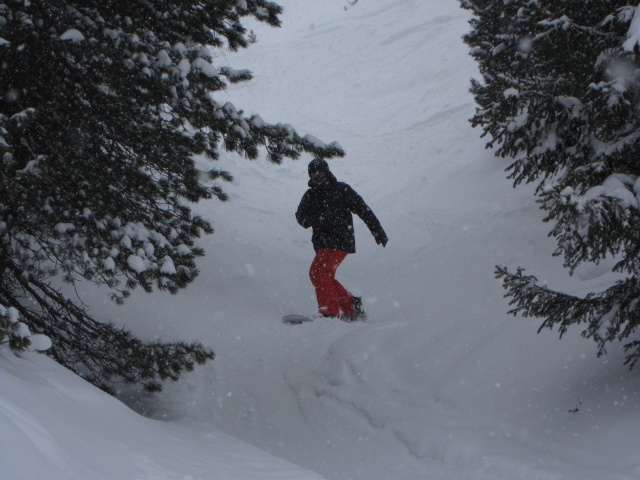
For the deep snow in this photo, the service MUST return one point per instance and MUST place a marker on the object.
(440, 383)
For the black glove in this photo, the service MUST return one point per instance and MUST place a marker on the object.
(381, 238)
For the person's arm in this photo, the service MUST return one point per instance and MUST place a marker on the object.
(360, 208)
(302, 214)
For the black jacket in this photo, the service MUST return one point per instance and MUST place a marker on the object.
(328, 209)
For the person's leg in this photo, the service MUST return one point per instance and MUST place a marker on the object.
(345, 299)
(329, 292)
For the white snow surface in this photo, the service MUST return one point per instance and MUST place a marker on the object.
(439, 383)
(633, 35)
(72, 35)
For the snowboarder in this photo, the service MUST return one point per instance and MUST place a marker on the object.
(327, 208)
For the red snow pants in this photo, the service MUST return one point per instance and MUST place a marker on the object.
(332, 296)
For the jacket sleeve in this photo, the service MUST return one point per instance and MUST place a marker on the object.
(360, 208)
(303, 215)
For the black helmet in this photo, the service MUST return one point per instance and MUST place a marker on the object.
(318, 165)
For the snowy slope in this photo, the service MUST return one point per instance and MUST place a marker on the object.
(56, 426)
(440, 383)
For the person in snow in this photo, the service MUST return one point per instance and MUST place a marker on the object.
(327, 208)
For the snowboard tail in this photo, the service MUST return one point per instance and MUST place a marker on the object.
(296, 319)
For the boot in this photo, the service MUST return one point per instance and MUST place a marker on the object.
(357, 305)
(360, 314)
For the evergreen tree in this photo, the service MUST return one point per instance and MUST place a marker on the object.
(103, 105)
(560, 97)
(17, 335)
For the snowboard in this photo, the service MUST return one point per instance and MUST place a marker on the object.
(296, 319)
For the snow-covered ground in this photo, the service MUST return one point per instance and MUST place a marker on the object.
(439, 383)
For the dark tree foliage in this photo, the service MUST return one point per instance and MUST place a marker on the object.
(560, 97)
(103, 106)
